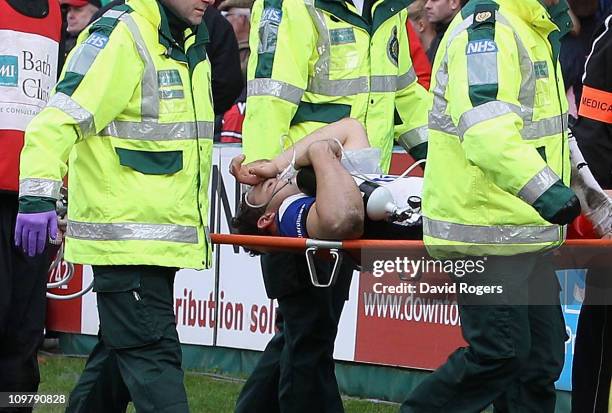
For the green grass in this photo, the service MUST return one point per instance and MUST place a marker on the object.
(207, 393)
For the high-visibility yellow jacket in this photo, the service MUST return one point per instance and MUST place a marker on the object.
(314, 62)
(498, 161)
(134, 114)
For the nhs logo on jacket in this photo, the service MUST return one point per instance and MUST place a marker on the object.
(9, 71)
(481, 46)
(271, 14)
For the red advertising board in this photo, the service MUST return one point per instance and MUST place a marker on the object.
(402, 328)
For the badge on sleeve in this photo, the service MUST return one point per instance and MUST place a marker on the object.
(483, 17)
(393, 47)
(484, 14)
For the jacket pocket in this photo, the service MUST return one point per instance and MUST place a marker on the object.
(151, 163)
(320, 112)
(126, 320)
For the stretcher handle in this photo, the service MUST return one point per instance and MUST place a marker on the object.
(337, 258)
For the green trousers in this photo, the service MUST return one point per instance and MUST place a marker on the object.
(138, 354)
(515, 349)
(296, 372)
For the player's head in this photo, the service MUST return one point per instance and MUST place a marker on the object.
(258, 209)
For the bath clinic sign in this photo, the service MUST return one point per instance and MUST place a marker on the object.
(28, 65)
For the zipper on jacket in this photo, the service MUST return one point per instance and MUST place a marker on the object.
(195, 119)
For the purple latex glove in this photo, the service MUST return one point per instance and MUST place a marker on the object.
(31, 231)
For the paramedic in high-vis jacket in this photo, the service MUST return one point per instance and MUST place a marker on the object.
(133, 115)
(497, 186)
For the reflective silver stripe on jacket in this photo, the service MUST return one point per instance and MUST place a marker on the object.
(321, 84)
(482, 69)
(440, 121)
(205, 129)
(149, 85)
(392, 83)
(47, 188)
(132, 231)
(84, 119)
(275, 88)
(150, 128)
(341, 87)
(85, 54)
(482, 113)
(382, 84)
(114, 14)
(83, 58)
(537, 185)
(500, 234)
(153, 131)
(545, 127)
(321, 67)
(491, 110)
(405, 80)
(413, 138)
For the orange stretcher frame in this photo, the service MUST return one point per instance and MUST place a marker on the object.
(354, 247)
(295, 244)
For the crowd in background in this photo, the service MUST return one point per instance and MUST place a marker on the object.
(429, 20)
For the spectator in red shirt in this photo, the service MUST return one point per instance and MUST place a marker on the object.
(238, 13)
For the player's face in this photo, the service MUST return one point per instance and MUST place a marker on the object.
(271, 193)
(263, 193)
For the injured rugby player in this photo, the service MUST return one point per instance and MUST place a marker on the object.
(327, 186)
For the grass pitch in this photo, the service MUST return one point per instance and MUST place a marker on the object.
(207, 393)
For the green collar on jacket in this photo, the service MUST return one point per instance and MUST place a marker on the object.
(154, 13)
(383, 10)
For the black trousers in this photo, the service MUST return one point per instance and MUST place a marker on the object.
(592, 366)
(296, 372)
(515, 349)
(138, 354)
(23, 282)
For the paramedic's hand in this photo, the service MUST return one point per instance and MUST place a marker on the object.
(252, 173)
(32, 230)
